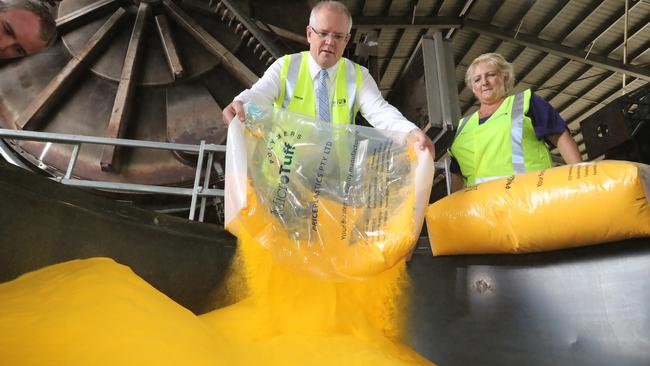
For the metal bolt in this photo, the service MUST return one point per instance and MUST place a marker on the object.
(250, 42)
(257, 48)
(264, 53)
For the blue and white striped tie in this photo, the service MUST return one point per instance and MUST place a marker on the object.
(323, 97)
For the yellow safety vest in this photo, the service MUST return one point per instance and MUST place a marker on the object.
(503, 145)
(297, 95)
(297, 88)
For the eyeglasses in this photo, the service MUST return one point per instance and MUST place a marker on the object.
(339, 37)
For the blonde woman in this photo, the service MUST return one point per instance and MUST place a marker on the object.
(509, 133)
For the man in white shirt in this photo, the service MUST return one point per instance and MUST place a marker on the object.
(328, 33)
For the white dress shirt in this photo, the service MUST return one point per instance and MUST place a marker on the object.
(372, 105)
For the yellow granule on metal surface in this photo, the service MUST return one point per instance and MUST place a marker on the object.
(98, 312)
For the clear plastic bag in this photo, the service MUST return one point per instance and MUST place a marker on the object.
(339, 201)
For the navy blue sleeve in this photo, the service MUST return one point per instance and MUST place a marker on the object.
(546, 120)
(454, 167)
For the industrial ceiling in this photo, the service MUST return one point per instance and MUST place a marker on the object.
(162, 70)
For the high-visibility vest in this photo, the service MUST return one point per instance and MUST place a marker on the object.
(503, 145)
(297, 88)
(297, 95)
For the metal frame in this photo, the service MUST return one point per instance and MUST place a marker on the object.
(196, 191)
(592, 59)
(442, 96)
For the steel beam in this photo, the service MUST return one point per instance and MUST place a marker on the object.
(50, 95)
(252, 27)
(405, 22)
(464, 11)
(442, 101)
(61, 138)
(85, 14)
(230, 61)
(169, 47)
(281, 32)
(124, 97)
(636, 31)
(558, 50)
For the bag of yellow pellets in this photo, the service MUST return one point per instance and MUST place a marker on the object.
(562, 207)
(341, 201)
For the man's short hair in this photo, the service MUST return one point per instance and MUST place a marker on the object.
(48, 25)
(332, 5)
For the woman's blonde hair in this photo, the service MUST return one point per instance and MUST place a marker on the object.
(494, 59)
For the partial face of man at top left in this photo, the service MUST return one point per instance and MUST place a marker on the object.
(20, 33)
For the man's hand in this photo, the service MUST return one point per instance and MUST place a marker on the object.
(424, 142)
(236, 108)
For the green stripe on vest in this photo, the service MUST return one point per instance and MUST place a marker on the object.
(303, 99)
(297, 95)
(485, 151)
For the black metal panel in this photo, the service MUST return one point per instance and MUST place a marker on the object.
(587, 306)
(43, 222)
(604, 130)
(621, 129)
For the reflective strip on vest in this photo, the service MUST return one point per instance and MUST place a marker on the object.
(460, 127)
(487, 179)
(517, 134)
(292, 78)
(345, 85)
(351, 85)
(462, 124)
(512, 114)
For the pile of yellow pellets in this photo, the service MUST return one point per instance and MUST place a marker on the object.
(99, 312)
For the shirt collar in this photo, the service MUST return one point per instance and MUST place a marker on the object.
(314, 69)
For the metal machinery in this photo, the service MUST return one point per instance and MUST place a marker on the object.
(152, 70)
(162, 70)
(621, 130)
(427, 95)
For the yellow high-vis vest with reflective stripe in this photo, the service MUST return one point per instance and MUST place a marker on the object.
(503, 145)
(297, 88)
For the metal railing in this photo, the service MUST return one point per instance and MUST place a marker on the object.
(76, 141)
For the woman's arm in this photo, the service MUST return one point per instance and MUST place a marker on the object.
(567, 147)
(456, 182)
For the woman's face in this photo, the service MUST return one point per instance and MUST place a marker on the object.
(487, 84)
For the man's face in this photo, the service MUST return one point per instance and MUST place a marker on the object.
(19, 33)
(328, 37)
